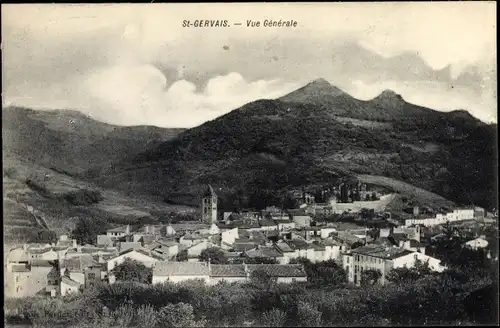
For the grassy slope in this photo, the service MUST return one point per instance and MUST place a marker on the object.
(59, 214)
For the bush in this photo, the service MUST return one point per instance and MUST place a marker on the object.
(274, 318)
(131, 270)
(83, 197)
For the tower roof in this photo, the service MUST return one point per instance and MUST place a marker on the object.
(209, 192)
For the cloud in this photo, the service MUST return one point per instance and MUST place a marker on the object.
(435, 95)
(112, 60)
(137, 95)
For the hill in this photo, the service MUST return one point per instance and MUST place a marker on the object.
(71, 142)
(314, 136)
(40, 199)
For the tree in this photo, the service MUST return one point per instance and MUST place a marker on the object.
(274, 318)
(308, 315)
(178, 315)
(43, 236)
(370, 277)
(260, 278)
(182, 256)
(131, 270)
(214, 255)
(87, 229)
(405, 274)
(374, 196)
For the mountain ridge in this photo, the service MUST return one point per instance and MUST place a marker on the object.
(275, 144)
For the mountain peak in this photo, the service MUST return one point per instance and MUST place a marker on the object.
(389, 95)
(314, 90)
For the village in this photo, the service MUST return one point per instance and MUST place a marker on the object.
(270, 241)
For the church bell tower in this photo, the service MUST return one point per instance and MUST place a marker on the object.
(209, 206)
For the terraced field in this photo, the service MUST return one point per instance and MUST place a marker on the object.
(27, 209)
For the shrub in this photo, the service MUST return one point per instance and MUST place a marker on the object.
(274, 318)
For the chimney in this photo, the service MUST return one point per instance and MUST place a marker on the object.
(74, 243)
(25, 247)
(127, 229)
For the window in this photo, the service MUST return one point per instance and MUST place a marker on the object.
(91, 275)
(347, 259)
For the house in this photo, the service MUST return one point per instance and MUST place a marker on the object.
(302, 220)
(166, 248)
(18, 255)
(267, 224)
(69, 286)
(269, 252)
(125, 245)
(105, 240)
(227, 272)
(43, 254)
(64, 241)
(214, 273)
(180, 271)
(302, 249)
(414, 245)
(284, 224)
(229, 236)
(383, 259)
(119, 231)
(139, 255)
(190, 239)
(477, 243)
(194, 252)
(24, 280)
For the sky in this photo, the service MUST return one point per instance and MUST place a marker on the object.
(135, 64)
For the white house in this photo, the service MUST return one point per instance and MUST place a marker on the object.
(68, 286)
(228, 237)
(138, 255)
(383, 259)
(180, 271)
(118, 232)
(195, 250)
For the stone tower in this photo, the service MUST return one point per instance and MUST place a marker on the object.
(209, 206)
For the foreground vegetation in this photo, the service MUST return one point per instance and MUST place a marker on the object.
(464, 294)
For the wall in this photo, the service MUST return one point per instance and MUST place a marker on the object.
(23, 284)
(289, 280)
(377, 206)
(67, 289)
(216, 280)
(229, 236)
(175, 279)
(409, 261)
(197, 249)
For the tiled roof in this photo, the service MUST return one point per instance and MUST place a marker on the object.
(284, 247)
(180, 269)
(381, 252)
(264, 252)
(330, 242)
(267, 223)
(318, 246)
(242, 247)
(282, 221)
(415, 243)
(78, 263)
(298, 244)
(167, 242)
(277, 270)
(118, 229)
(42, 263)
(227, 270)
(70, 281)
(147, 239)
(40, 251)
(129, 245)
(20, 268)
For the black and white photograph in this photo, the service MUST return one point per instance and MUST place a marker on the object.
(250, 164)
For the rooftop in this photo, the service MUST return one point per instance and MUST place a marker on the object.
(227, 270)
(264, 252)
(180, 269)
(209, 192)
(388, 253)
(279, 270)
